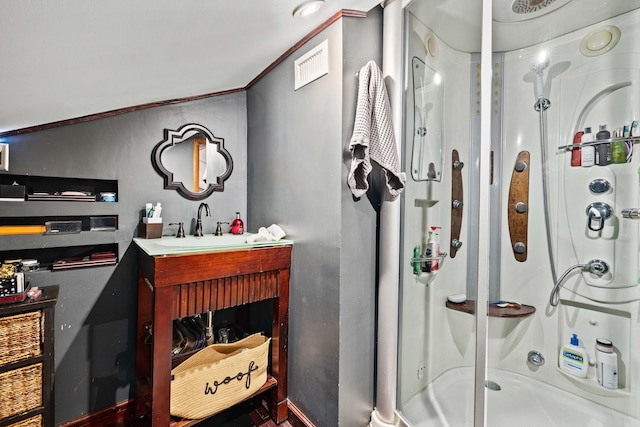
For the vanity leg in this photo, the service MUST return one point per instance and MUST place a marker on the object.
(161, 374)
(279, 349)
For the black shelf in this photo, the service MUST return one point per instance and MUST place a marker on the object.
(56, 185)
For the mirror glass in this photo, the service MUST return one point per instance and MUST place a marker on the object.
(428, 95)
(192, 161)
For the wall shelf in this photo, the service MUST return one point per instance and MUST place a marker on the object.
(634, 139)
(469, 306)
(67, 258)
(50, 188)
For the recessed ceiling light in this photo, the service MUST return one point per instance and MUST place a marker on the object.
(307, 8)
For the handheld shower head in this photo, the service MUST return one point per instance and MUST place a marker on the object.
(538, 65)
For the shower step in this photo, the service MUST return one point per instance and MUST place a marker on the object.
(469, 306)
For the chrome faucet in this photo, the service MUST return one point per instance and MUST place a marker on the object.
(199, 221)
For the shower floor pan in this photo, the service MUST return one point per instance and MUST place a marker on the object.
(521, 401)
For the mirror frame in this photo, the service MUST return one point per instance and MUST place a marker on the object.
(173, 137)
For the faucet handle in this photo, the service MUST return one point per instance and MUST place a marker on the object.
(219, 228)
(180, 225)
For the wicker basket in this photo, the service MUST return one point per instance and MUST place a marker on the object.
(218, 377)
(20, 390)
(29, 422)
(20, 337)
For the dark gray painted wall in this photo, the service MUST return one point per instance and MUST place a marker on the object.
(96, 313)
(298, 146)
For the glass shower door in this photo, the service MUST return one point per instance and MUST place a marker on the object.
(530, 319)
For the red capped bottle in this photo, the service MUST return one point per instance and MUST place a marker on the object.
(237, 226)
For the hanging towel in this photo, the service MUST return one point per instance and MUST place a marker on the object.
(373, 137)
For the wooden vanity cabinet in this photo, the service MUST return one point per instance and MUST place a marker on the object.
(175, 286)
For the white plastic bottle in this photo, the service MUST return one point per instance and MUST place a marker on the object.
(573, 359)
(435, 248)
(588, 152)
(606, 364)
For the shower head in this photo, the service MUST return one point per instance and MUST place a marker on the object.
(538, 65)
(540, 62)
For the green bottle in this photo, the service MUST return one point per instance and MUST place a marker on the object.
(416, 265)
(618, 149)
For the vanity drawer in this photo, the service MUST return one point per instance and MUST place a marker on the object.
(20, 390)
(20, 336)
(29, 422)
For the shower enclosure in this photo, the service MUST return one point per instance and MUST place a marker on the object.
(512, 242)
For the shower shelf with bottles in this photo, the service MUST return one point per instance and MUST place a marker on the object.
(634, 139)
(512, 310)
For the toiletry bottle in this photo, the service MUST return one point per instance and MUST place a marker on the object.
(428, 251)
(573, 359)
(416, 265)
(148, 210)
(237, 226)
(618, 149)
(157, 210)
(435, 248)
(606, 364)
(588, 152)
(603, 153)
(575, 152)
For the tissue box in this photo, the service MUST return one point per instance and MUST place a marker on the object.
(150, 231)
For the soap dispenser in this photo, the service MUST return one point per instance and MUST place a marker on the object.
(237, 226)
(573, 359)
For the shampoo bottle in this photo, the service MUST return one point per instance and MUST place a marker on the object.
(603, 156)
(573, 359)
(618, 149)
(428, 253)
(606, 364)
(576, 152)
(237, 226)
(435, 248)
(588, 152)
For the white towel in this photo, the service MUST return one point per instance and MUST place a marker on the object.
(373, 137)
(271, 234)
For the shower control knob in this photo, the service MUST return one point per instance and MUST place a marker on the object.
(421, 131)
(535, 358)
(457, 204)
(458, 165)
(520, 166)
(519, 248)
(456, 244)
(521, 207)
(599, 186)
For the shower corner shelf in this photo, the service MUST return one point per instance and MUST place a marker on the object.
(469, 306)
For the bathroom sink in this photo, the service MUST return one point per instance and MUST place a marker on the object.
(168, 245)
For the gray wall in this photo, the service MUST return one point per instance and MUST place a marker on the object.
(96, 313)
(299, 160)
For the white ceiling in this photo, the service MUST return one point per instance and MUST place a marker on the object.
(71, 58)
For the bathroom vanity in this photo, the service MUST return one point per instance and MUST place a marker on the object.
(183, 277)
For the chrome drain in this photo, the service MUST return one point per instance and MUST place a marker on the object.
(492, 385)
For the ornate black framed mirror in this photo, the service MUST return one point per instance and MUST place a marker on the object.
(192, 161)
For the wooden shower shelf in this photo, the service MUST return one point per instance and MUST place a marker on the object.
(469, 306)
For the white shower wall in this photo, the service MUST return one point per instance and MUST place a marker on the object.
(424, 327)
(573, 92)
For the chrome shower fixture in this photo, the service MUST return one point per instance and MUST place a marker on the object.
(538, 65)
(595, 266)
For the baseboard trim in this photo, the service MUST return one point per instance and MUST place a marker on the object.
(296, 417)
(124, 411)
(118, 413)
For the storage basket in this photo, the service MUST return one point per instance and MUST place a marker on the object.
(219, 376)
(20, 390)
(29, 422)
(20, 337)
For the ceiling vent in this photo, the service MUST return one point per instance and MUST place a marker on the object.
(312, 65)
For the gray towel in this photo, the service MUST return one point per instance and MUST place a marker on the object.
(373, 137)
